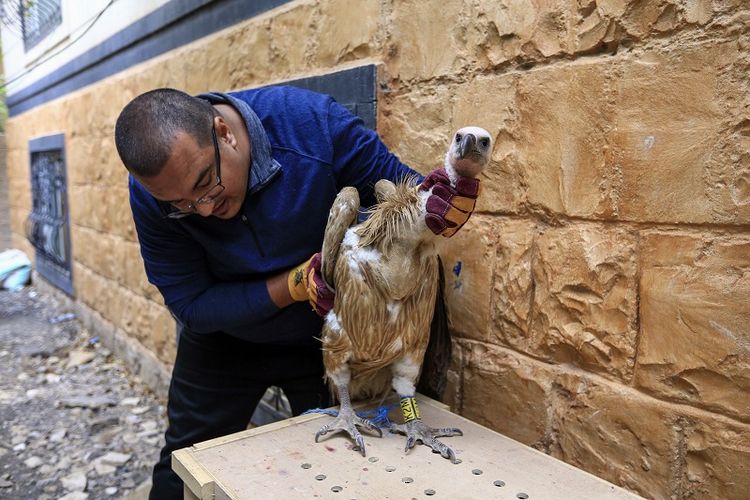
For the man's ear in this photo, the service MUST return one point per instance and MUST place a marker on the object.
(224, 131)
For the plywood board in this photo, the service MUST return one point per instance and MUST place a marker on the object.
(282, 460)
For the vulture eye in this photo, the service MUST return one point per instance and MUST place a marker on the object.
(484, 142)
(458, 137)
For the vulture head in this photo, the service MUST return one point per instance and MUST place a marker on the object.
(469, 152)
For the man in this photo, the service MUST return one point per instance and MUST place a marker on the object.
(230, 195)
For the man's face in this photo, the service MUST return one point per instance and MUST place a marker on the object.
(188, 179)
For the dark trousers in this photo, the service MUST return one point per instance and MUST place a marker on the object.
(216, 384)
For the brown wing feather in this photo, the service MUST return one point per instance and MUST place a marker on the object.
(343, 213)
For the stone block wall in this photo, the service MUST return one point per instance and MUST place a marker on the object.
(600, 297)
(4, 210)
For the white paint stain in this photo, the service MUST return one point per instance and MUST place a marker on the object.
(726, 332)
(649, 141)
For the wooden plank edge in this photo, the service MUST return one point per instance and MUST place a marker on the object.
(256, 431)
(196, 478)
(433, 402)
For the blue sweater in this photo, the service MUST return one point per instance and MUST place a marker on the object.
(211, 272)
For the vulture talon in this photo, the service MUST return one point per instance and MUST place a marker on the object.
(323, 430)
(372, 427)
(348, 422)
(416, 430)
(361, 444)
(410, 442)
(448, 431)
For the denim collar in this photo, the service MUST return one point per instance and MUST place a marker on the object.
(263, 166)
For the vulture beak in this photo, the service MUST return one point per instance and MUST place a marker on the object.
(467, 144)
(468, 148)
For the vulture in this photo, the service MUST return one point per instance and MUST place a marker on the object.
(385, 273)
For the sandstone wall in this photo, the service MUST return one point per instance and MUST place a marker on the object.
(600, 297)
(4, 210)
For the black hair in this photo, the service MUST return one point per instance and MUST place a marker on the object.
(147, 127)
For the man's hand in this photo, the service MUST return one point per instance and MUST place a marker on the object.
(449, 207)
(306, 282)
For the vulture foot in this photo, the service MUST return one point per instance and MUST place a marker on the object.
(348, 421)
(416, 430)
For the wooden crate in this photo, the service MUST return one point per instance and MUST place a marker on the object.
(282, 460)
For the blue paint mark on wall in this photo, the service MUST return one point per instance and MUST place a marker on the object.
(457, 273)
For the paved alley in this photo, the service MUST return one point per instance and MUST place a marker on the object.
(74, 424)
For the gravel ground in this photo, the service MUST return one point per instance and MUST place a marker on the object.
(74, 424)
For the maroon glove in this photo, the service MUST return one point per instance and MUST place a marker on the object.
(306, 283)
(448, 207)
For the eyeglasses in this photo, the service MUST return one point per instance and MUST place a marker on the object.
(189, 207)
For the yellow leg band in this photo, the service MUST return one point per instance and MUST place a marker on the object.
(410, 410)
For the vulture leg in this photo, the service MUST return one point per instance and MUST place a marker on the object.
(405, 374)
(348, 421)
